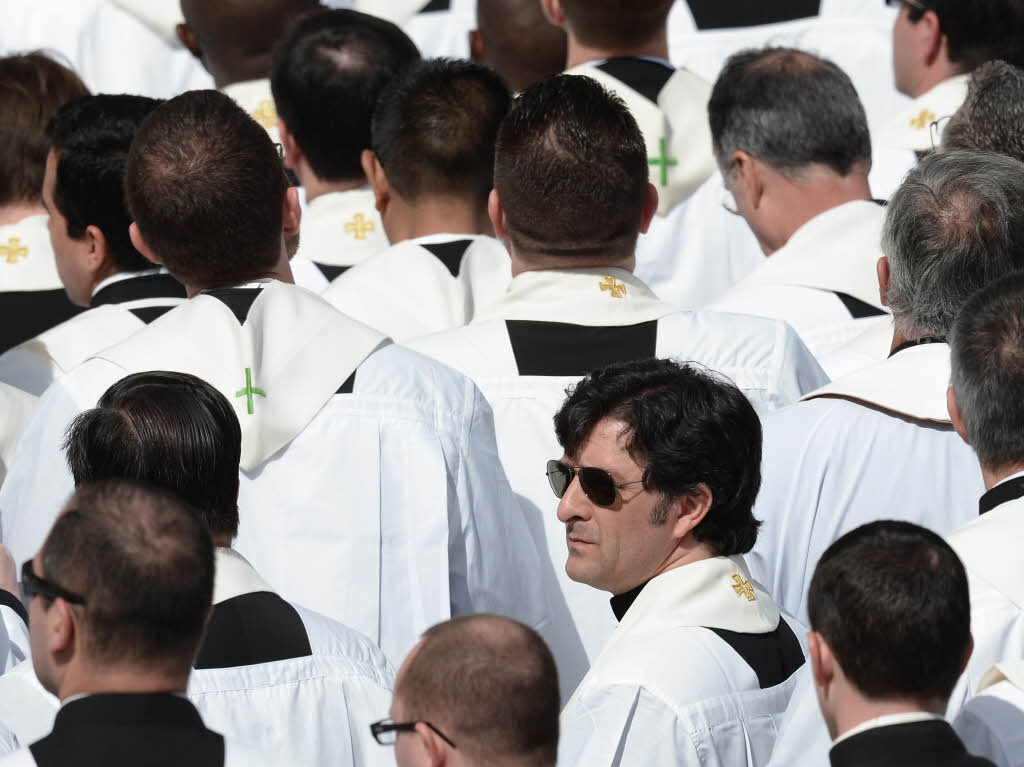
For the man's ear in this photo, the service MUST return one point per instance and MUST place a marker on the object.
(378, 179)
(99, 249)
(291, 212)
(954, 414)
(436, 750)
(932, 40)
(750, 181)
(187, 38)
(292, 154)
(140, 244)
(477, 49)
(690, 510)
(553, 10)
(650, 208)
(497, 214)
(822, 661)
(882, 270)
(968, 654)
(61, 628)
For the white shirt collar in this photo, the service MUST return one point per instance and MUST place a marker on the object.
(887, 721)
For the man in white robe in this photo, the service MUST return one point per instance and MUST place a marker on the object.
(83, 190)
(792, 143)
(32, 299)
(991, 724)
(625, 48)
(936, 44)
(235, 41)
(657, 479)
(328, 74)
(431, 169)
(15, 405)
(879, 443)
(574, 304)
(363, 464)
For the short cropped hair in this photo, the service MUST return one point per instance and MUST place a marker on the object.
(206, 188)
(571, 170)
(32, 87)
(435, 126)
(686, 426)
(891, 600)
(617, 24)
(490, 684)
(327, 77)
(171, 430)
(953, 226)
(987, 345)
(144, 564)
(979, 31)
(790, 109)
(91, 137)
(991, 118)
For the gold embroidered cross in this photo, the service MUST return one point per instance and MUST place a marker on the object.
(923, 120)
(743, 588)
(13, 250)
(617, 289)
(359, 226)
(266, 114)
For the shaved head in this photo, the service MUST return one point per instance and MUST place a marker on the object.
(515, 38)
(235, 39)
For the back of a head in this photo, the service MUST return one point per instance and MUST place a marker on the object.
(206, 188)
(490, 684)
(571, 170)
(32, 88)
(91, 137)
(891, 600)
(519, 41)
(435, 126)
(987, 346)
(991, 119)
(616, 25)
(144, 565)
(327, 77)
(980, 30)
(789, 109)
(170, 430)
(953, 226)
(686, 426)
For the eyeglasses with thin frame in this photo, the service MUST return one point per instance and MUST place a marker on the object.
(386, 732)
(937, 128)
(597, 484)
(33, 585)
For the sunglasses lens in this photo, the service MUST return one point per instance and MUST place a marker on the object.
(598, 485)
(559, 477)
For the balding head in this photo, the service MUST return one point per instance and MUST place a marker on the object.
(235, 39)
(489, 684)
(516, 38)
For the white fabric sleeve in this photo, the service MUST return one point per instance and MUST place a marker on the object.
(8, 741)
(14, 641)
(803, 737)
(993, 727)
(27, 370)
(799, 373)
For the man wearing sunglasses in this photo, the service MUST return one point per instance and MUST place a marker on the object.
(936, 44)
(657, 481)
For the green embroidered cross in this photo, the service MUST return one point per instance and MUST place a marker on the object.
(249, 390)
(664, 161)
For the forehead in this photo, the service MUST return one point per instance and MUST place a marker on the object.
(605, 446)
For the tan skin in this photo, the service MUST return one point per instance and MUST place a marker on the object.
(581, 53)
(920, 57)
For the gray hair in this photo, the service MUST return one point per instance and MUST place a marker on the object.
(789, 109)
(992, 116)
(954, 225)
(988, 371)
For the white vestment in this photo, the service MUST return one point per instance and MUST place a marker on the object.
(424, 285)
(339, 229)
(877, 444)
(255, 97)
(441, 32)
(377, 500)
(911, 127)
(15, 405)
(555, 325)
(134, 299)
(989, 546)
(14, 640)
(26, 709)
(992, 723)
(673, 685)
(8, 741)
(822, 281)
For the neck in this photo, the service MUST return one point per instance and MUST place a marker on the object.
(860, 710)
(934, 75)
(282, 272)
(546, 262)
(248, 68)
(580, 53)
(688, 552)
(97, 681)
(905, 335)
(814, 193)
(16, 211)
(404, 220)
(993, 476)
(317, 187)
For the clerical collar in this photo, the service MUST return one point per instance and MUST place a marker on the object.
(622, 602)
(126, 709)
(136, 286)
(917, 342)
(1009, 489)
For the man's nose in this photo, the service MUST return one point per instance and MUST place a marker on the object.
(574, 503)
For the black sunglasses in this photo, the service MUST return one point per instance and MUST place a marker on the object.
(386, 732)
(32, 585)
(597, 484)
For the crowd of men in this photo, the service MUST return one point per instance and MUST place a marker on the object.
(628, 414)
